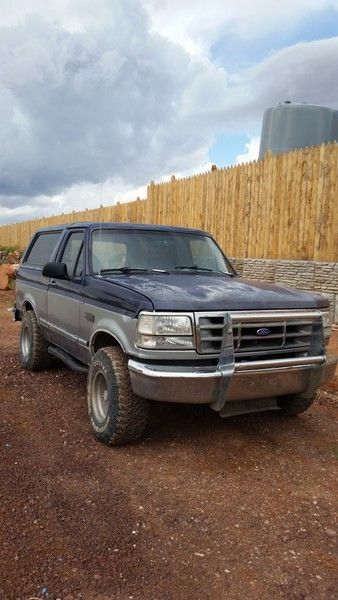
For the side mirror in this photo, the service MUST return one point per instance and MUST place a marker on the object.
(55, 270)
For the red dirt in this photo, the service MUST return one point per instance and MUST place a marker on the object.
(201, 508)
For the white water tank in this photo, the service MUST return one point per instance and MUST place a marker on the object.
(289, 126)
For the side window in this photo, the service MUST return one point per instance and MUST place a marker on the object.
(73, 253)
(80, 264)
(42, 249)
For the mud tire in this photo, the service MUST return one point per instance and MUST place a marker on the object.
(293, 405)
(116, 414)
(34, 354)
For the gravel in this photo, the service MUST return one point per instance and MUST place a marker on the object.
(200, 508)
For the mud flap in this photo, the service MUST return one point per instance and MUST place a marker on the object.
(17, 314)
(226, 365)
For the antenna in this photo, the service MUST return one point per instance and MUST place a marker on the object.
(100, 237)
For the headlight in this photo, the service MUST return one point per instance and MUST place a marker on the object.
(327, 322)
(164, 332)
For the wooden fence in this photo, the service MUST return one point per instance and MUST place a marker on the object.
(18, 234)
(283, 206)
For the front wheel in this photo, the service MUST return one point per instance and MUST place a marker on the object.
(293, 405)
(116, 414)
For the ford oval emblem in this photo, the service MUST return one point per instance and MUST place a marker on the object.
(263, 331)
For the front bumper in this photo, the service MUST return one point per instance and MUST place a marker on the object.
(255, 380)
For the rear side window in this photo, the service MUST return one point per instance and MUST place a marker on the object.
(42, 249)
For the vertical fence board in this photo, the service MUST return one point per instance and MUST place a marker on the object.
(283, 206)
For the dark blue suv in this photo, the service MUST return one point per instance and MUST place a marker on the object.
(158, 313)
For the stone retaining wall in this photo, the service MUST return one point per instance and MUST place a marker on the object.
(319, 277)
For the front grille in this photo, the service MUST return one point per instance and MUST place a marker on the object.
(289, 334)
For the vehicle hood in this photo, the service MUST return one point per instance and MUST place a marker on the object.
(212, 291)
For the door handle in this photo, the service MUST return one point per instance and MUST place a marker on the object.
(52, 282)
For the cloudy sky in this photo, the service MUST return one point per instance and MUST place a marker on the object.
(98, 98)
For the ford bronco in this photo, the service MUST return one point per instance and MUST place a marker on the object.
(158, 313)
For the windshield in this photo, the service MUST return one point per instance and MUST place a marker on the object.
(112, 249)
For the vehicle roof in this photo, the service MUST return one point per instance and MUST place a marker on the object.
(113, 225)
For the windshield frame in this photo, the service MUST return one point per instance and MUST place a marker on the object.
(231, 270)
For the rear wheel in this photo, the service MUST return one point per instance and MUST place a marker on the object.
(292, 404)
(116, 414)
(34, 354)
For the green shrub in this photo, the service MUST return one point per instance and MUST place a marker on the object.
(8, 249)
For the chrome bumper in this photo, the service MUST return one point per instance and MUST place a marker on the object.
(250, 380)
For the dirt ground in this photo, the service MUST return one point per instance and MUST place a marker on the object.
(200, 508)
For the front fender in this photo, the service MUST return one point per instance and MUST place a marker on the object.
(121, 327)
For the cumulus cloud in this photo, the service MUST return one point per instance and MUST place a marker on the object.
(197, 28)
(251, 151)
(97, 103)
(110, 102)
(77, 197)
(304, 72)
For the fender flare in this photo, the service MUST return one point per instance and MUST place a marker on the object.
(108, 332)
(28, 298)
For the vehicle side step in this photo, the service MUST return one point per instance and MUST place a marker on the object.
(70, 361)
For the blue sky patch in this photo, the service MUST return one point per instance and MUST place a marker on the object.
(226, 147)
(233, 53)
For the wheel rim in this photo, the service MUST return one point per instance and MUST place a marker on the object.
(100, 397)
(25, 342)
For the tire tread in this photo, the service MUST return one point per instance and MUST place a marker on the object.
(131, 411)
(39, 358)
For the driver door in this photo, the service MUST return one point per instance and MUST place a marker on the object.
(64, 297)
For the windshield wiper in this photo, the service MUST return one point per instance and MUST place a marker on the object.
(132, 269)
(196, 268)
